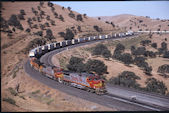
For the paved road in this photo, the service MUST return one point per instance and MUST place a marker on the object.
(113, 102)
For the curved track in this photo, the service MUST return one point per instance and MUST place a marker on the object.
(106, 100)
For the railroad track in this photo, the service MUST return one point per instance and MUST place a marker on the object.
(123, 101)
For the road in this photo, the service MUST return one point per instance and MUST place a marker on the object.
(106, 100)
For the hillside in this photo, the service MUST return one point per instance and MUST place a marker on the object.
(18, 35)
(136, 23)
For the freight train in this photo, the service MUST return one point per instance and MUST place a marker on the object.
(87, 81)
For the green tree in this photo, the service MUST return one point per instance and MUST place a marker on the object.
(153, 85)
(76, 64)
(96, 66)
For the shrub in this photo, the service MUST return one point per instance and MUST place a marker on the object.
(101, 49)
(139, 51)
(79, 17)
(50, 4)
(96, 66)
(63, 8)
(147, 69)
(120, 47)
(12, 91)
(132, 48)
(76, 64)
(47, 24)
(49, 34)
(163, 68)
(112, 24)
(154, 45)
(61, 18)
(166, 54)
(97, 28)
(22, 12)
(4, 23)
(127, 58)
(71, 14)
(99, 18)
(145, 42)
(69, 8)
(126, 79)
(62, 34)
(153, 85)
(41, 3)
(140, 61)
(9, 100)
(28, 30)
(56, 15)
(34, 19)
(48, 17)
(69, 34)
(39, 33)
(84, 15)
(42, 27)
(53, 22)
(13, 21)
(79, 28)
(164, 46)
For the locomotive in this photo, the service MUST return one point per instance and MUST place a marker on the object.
(87, 81)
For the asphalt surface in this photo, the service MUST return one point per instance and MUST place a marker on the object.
(106, 100)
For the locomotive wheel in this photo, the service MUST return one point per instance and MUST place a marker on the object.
(59, 80)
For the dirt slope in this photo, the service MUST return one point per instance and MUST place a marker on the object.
(137, 22)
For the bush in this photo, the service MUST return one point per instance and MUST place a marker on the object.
(69, 35)
(22, 12)
(147, 69)
(61, 18)
(53, 22)
(28, 30)
(79, 28)
(139, 51)
(96, 66)
(166, 54)
(47, 24)
(69, 8)
(71, 14)
(12, 91)
(164, 46)
(50, 4)
(101, 49)
(163, 68)
(76, 64)
(126, 79)
(56, 15)
(13, 21)
(153, 85)
(79, 17)
(48, 17)
(154, 45)
(132, 48)
(62, 34)
(127, 58)
(145, 42)
(39, 33)
(99, 18)
(97, 28)
(150, 54)
(41, 3)
(49, 34)
(9, 100)
(140, 61)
